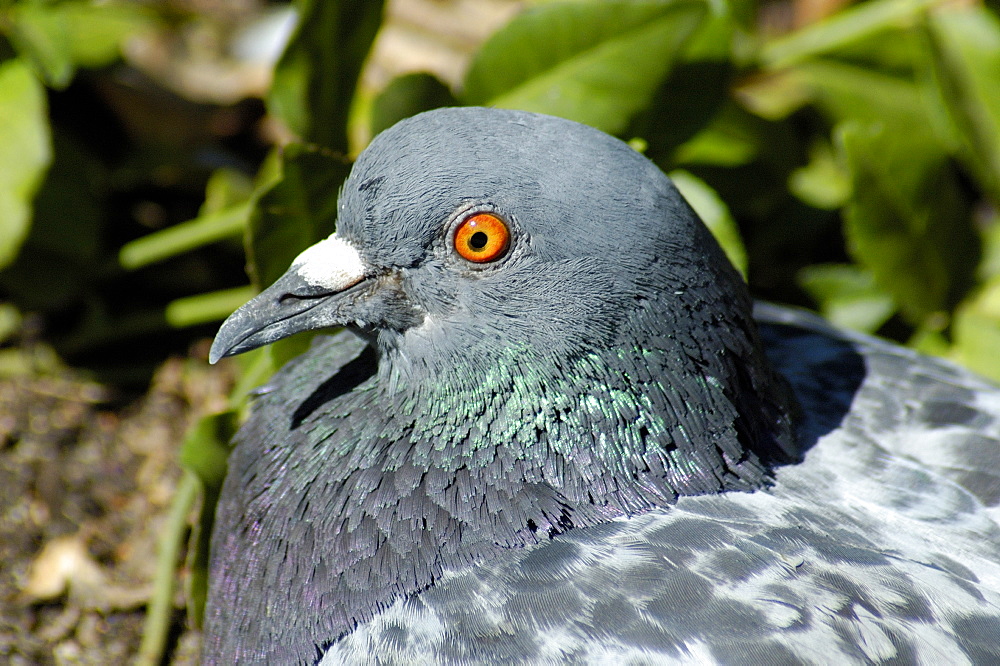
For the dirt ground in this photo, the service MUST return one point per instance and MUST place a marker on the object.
(86, 488)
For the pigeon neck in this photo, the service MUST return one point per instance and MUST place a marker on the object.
(605, 433)
(383, 485)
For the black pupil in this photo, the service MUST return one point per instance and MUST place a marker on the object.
(478, 240)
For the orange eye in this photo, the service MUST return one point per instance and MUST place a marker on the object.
(481, 238)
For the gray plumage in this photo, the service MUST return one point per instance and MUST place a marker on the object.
(579, 452)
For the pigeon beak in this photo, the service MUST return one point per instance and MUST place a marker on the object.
(300, 300)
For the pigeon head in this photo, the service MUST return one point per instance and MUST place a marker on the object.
(486, 251)
(584, 235)
(554, 339)
(572, 234)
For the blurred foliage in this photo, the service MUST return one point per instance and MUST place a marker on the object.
(857, 155)
(95, 154)
(846, 156)
(850, 163)
(25, 141)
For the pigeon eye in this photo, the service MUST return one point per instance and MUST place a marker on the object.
(482, 237)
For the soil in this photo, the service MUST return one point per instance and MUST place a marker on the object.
(86, 488)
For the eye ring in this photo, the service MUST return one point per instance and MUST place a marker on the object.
(481, 238)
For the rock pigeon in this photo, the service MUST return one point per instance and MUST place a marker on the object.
(556, 429)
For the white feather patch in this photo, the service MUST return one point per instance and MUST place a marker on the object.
(333, 264)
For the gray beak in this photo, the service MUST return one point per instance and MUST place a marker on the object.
(314, 293)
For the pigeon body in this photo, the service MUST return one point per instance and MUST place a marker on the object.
(564, 442)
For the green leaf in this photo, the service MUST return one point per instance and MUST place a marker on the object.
(716, 216)
(185, 236)
(407, 96)
(60, 37)
(298, 210)
(929, 338)
(315, 80)
(97, 30)
(204, 453)
(773, 95)
(716, 36)
(847, 295)
(229, 201)
(39, 35)
(907, 221)
(976, 331)
(160, 609)
(823, 183)
(849, 92)
(989, 268)
(10, 322)
(965, 48)
(226, 187)
(596, 63)
(843, 30)
(206, 448)
(206, 308)
(731, 138)
(25, 152)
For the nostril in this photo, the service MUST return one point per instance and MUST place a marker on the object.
(290, 296)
